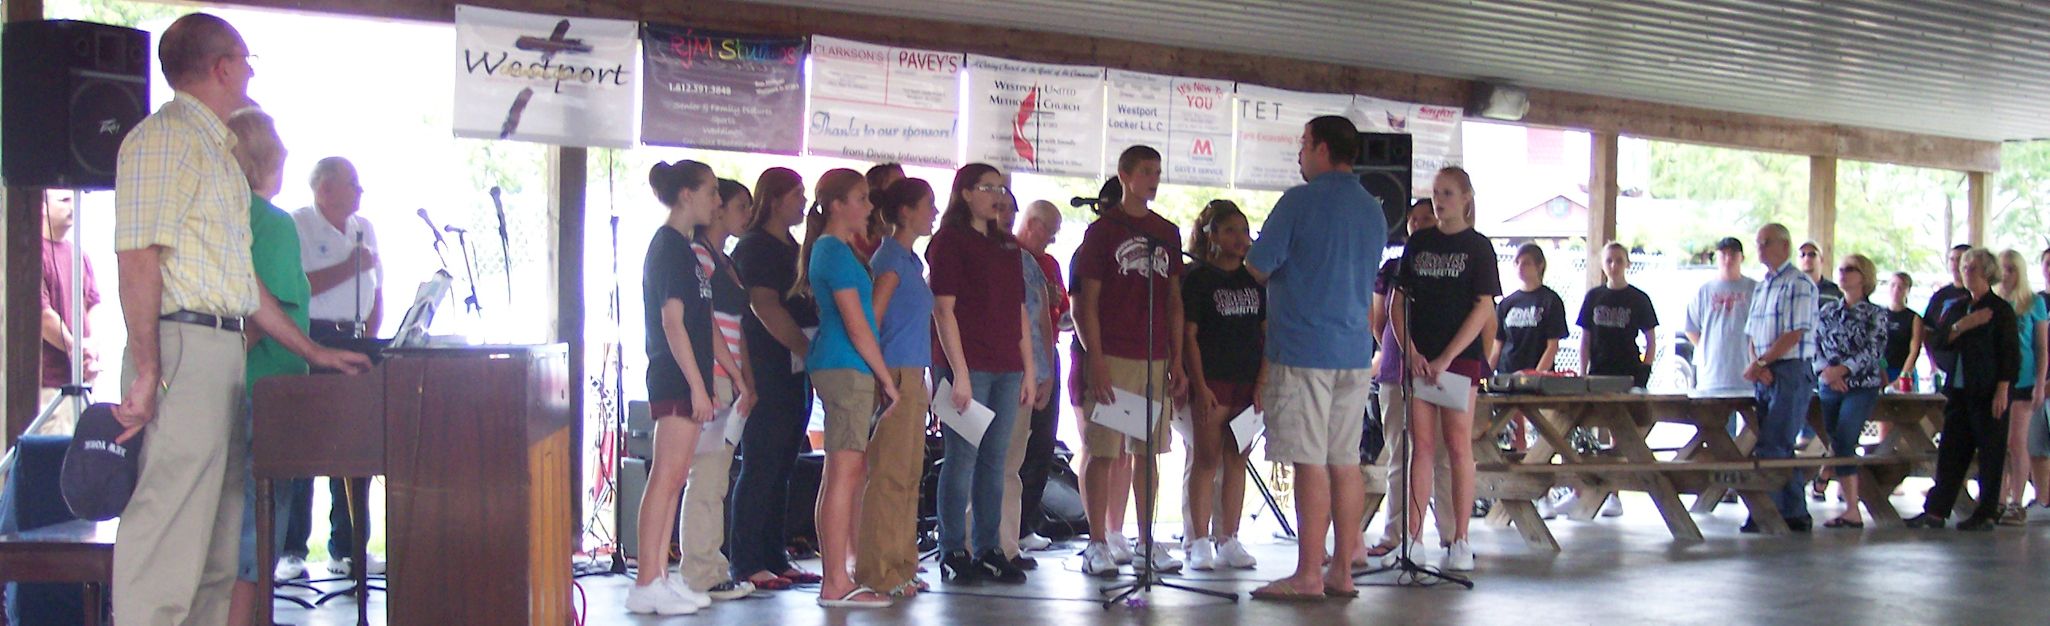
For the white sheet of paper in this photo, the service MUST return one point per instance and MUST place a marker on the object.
(1184, 422)
(735, 425)
(1247, 427)
(713, 437)
(969, 424)
(1126, 414)
(1453, 391)
(797, 360)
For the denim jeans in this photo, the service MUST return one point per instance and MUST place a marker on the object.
(757, 528)
(1843, 414)
(1783, 411)
(974, 475)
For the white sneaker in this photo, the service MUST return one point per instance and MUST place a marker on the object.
(683, 590)
(1203, 555)
(1614, 506)
(1233, 554)
(1545, 510)
(1034, 542)
(1164, 561)
(340, 567)
(290, 568)
(731, 590)
(1096, 560)
(659, 599)
(1416, 548)
(1459, 557)
(1120, 548)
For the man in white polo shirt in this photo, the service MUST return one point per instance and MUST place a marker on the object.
(339, 250)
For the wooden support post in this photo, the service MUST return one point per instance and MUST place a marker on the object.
(22, 362)
(1601, 202)
(566, 205)
(1822, 206)
(1978, 196)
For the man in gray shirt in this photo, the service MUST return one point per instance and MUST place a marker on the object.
(1715, 325)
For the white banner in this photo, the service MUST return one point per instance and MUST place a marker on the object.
(1435, 140)
(544, 78)
(1187, 119)
(1270, 131)
(1032, 117)
(878, 103)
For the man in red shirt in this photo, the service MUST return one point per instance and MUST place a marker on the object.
(1126, 254)
(57, 314)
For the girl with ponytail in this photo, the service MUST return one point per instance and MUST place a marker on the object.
(846, 366)
(886, 542)
(1225, 310)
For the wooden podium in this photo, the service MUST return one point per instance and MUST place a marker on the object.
(474, 445)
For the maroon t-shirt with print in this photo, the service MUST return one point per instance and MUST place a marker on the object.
(1114, 251)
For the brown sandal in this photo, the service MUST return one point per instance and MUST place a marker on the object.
(1382, 549)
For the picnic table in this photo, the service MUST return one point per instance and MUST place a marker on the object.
(1711, 464)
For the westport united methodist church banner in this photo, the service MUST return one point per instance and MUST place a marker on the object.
(543, 78)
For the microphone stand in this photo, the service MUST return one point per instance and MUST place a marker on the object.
(1144, 576)
(469, 269)
(1407, 572)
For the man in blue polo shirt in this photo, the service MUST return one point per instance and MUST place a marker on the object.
(1318, 252)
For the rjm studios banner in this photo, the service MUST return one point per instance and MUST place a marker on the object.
(544, 78)
(722, 91)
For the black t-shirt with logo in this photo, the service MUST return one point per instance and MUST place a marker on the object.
(1900, 331)
(1526, 319)
(1445, 274)
(1612, 319)
(672, 272)
(1227, 309)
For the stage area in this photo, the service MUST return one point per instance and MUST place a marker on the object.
(1623, 570)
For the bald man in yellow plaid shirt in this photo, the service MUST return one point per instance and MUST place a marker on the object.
(182, 237)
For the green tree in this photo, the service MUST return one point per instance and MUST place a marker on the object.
(115, 12)
(2019, 197)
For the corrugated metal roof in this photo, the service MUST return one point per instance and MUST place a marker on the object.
(1978, 70)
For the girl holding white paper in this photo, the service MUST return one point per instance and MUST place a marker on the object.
(1447, 285)
(1223, 354)
(846, 366)
(677, 307)
(979, 311)
(886, 540)
(704, 499)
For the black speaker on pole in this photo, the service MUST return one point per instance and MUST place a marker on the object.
(69, 93)
(1384, 169)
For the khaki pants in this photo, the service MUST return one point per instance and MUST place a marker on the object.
(886, 540)
(62, 420)
(174, 556)
(1014, 487)
(1104, 442)
(704, 506)
(1395, 455)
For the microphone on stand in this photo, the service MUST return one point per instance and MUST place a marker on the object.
(504, 242)
(438, 242)
(454, 229)
(1079, 202)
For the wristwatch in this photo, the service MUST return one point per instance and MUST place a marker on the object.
(1762, 364)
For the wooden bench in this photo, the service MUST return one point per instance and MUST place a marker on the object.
(78, 551)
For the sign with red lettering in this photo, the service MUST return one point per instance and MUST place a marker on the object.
(881, 103)
(1434, 134)
(1034, 117)
(1187, 119)
(567, 81)
(707, 89)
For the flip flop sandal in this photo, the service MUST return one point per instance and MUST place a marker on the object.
(778, 583)
(1842, 523)
(848, 601)
(1341, 593)
(1381, 549)
(1285, 595)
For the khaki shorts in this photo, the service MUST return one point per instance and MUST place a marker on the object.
(1315, 416)
(849, 397)
(1103, 442)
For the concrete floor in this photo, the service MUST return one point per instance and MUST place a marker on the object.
(1613, 571)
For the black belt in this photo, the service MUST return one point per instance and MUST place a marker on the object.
(230, 324)
(341, 328)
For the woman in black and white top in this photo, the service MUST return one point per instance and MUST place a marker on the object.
(1448, 275)
(1850, 368)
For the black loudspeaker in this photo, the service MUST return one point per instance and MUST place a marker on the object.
(69, 93)
(1384, 169)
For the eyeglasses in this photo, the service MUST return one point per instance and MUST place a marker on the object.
(1807, 254)
(991, 189)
